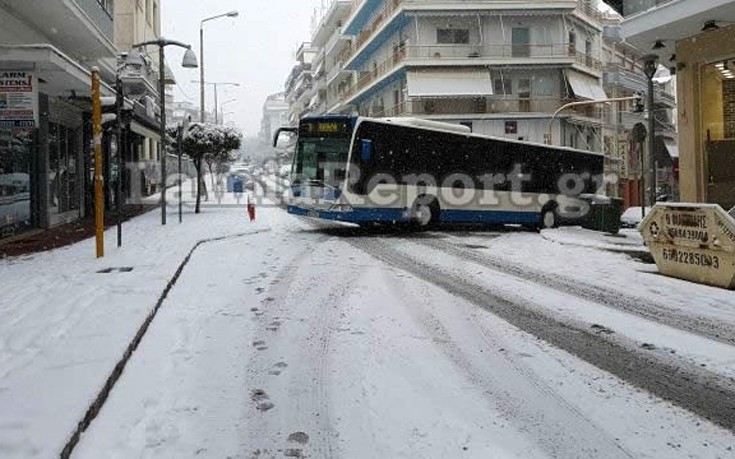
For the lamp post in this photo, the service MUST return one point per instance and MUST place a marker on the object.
(650, 65)
(189, 61)
(548, 136)
(231, 14)
(222, 106)
(216, 108)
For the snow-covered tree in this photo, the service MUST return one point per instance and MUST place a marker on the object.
(202, 141)
(229, 142)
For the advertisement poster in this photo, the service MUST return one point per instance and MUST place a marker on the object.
(18, 99)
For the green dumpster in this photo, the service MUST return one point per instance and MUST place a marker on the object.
(604, 213)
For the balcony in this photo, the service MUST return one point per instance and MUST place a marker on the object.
(474, 55)
(101, 14)
(466, 107)
(617, 75)
(367, 31)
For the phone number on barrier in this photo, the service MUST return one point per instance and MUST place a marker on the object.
(691, 258)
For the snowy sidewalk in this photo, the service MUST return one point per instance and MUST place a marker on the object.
(64, 325)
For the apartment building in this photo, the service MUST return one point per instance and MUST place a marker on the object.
(626, 158)
(47, 51)
(300, 92)
(275, 115)
(696, 40)
(500, 67)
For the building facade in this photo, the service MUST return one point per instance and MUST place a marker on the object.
(500, 67)
(137, 21)
(275, 115)
(626, 157)
(47, 51)
(696, 40)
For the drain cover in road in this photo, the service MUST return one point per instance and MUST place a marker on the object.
(123, 269)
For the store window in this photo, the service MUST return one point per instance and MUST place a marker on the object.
(717, 108)
(62, 169)
(15, 180)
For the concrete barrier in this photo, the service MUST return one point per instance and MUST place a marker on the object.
(692, 241)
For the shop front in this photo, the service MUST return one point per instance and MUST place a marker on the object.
(44, 100)
(699, 47)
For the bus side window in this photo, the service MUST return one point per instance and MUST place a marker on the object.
(367, 150)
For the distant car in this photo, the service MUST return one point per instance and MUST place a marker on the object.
(284, 171)
(240, 167)
(631, 218)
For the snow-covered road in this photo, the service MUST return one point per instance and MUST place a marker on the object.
(286, 338)
(320, 342)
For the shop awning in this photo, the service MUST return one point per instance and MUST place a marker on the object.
(139, 129)
(59, 75)
(673, 149)
(662, 153)
(585, 86)
(475, 83)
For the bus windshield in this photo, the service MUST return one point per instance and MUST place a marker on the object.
(321, 159)
(322, 150)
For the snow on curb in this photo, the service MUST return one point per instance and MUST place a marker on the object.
(113, 378)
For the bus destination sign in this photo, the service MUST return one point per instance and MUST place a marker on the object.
(324, 128)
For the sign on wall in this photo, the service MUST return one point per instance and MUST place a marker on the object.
(18, 99)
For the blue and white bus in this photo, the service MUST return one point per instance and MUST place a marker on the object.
(405, 170)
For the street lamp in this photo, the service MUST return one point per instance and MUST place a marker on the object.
(189, 61)
(216, 116)
(650, 65)
(222, 107)
(231, 14)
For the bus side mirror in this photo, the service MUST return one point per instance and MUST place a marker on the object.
(367, 150)
(278, 134)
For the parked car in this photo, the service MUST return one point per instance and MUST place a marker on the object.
(631, 218)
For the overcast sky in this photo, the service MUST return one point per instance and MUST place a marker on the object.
(255, 49)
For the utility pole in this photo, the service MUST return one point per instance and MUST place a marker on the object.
(201, 73)
(99, 204)
(650, 65)
(120, 151)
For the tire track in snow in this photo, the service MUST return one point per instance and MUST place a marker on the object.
(561, 430)
(706, 327)
(703, 392)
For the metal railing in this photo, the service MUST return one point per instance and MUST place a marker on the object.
(443, 53)
(480, 106)
(99, 16)
(391, 6)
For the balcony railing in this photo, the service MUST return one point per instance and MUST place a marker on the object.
(100, 13)
(479, 106)
(391, 6)
(441, 54)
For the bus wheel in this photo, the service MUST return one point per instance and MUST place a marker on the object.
(549, 218)
(425, 211)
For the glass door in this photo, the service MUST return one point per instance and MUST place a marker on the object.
(15, 180)
(62, 170)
